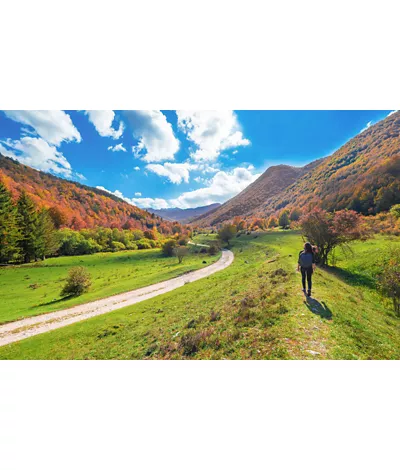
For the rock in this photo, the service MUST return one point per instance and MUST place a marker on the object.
(314, 353)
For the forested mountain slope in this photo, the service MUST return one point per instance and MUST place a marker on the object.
(363, 175)
(81, 206)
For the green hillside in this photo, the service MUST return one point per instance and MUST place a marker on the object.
(253, 309)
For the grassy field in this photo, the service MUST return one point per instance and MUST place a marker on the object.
(32, 289)
(254, 309)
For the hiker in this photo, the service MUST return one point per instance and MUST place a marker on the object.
(306, 265)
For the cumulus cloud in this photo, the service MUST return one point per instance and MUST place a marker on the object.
(37, 153)
(117, 148)
(137, 168)
(157, 141)
(221, 187)
(144, 202)
(211, 132)
(138, 194)
(53, 126)
(175, 172)
(103, 122)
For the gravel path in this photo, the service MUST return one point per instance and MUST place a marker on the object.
(21, 329)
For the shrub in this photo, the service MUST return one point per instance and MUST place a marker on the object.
(395, 211)
(389, 280)
(143, 244)
(183, 241)
(118, 246)
(213, 249)
(77, 282)
(168, 247)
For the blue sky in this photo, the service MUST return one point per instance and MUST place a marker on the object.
(174, 158)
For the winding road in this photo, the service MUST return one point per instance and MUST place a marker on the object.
(22, 329)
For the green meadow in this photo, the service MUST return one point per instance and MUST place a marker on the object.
(29, 290)
(254, 309)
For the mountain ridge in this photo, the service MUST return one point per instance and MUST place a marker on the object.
(363, 175)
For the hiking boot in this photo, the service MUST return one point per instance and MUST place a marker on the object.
(303, 290)
(309, 293)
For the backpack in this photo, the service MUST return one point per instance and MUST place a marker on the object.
(306, 260)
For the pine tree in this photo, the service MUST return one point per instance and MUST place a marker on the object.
(8, 227)
(46, 238)
(27, 223)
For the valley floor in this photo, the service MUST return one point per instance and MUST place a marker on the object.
(254, 309)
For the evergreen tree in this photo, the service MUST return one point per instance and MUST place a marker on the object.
(27, 223)
(46, 239)
(284, 220)
(8, 227)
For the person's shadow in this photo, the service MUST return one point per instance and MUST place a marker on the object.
(318, 308)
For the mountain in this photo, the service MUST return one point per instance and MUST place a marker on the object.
(82, 206)
(184, 215)
(272, 182)
(363, 175)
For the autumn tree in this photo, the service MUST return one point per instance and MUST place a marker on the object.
(8, 227)
(295, 214)
(58, 217)
(27, 223)
(284, 220)
(168, 247)
(272, 222)
(389, 279)
(180, 252)
(227, 232)
(328, 230)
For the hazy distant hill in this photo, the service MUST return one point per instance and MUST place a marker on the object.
(364, 175)
(184, 215)
(83, 206)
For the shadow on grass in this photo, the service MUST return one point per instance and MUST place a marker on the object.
(55, 301)
(318, 308)
(354, 279)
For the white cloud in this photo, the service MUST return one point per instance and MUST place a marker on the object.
(211, 132)
(175, 172)
(117, 148)
(103, 122)
(369, 124)
(157, 141)
(138, 194)
(37, 153)
(144, 202)
(53, 126)
(221, 187)
(137, 168)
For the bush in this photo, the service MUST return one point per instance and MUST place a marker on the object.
(183, 241)
(78, 281)
(389, 280)
(118, 246)
(213, 249)
(168, 247)
(143, 244)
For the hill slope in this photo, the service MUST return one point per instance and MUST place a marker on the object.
(184, 215)
(364, 175)
(272, 182)
(83, 206)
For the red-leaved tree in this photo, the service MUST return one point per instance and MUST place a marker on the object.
(328, 230)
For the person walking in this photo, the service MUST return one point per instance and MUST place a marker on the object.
(306, 265)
